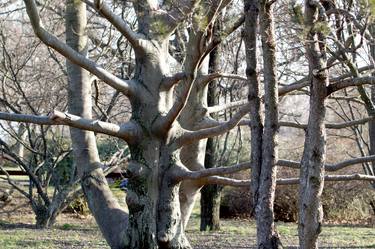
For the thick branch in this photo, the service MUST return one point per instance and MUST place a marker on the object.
(165, 122)
(192, 136)
(304, 82)
(126, 87)
(128, 131)
(194, 175)
(294, 86)
(169, 82)
(119, 23)
(350, 82)
(225, 181)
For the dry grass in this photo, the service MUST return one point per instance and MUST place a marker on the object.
(72, 231)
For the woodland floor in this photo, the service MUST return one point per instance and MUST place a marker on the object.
(75, 231)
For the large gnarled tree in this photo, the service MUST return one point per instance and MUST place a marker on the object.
(156, 136)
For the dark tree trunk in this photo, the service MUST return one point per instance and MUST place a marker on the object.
(44, 218)
(211, 194)
(371, 126)
(263, 139)
(256, 124)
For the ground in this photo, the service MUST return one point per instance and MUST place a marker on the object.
(77, 231)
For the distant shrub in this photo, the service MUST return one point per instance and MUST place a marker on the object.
(78, 206)
(351, 202)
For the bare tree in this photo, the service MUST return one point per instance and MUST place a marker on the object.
(153, 133)
(40, 152)
(170, 118)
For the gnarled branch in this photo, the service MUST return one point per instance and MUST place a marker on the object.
(102, 8)
(170, 81)
(194, 175)
(128, 131)
(126, 87)
(192, 136)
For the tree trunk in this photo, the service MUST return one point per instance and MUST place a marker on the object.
(192, 155)
(211, 194)
(153, 197)
(44, 217)
(266, 231)
(313, 159)
(159, 146)
(254, 96)
(263, 139)
(371, 124)
(110, 217)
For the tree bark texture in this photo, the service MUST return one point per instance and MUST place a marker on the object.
(263, 139)
(110, 217)
(313, 159)
(371, 124)
(164, 133)
(211, 194)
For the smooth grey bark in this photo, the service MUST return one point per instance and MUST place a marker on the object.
(193, 155)
(263, 139)
(313, 159)
(211, 194)
(159, 145)
(111, 218)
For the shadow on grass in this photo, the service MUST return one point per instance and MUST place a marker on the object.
(6, 225)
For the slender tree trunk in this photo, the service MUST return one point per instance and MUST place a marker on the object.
(313, 159)
(266, 231)
(22, 134)
(371, 124)
(211, 194)
(110, 217)
(263, 139)
(254, 96)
